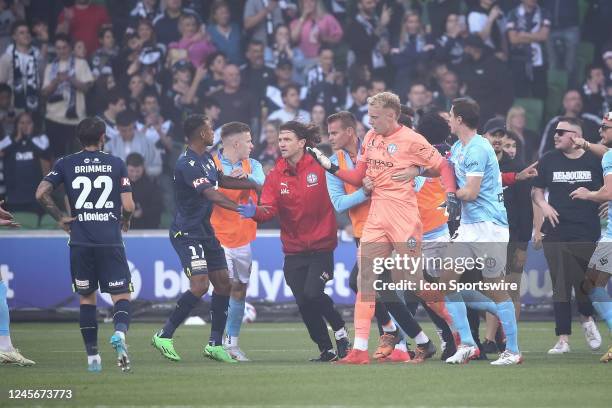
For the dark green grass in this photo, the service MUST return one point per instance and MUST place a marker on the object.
(280, 374)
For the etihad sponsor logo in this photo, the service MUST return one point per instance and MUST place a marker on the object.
(572, 177)
(379, 163)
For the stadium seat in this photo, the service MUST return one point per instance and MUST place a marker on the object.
(534, 109)
(557, 84)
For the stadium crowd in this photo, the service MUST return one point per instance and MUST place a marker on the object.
(143, 66)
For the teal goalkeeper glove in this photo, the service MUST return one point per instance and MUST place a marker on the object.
(322, 160)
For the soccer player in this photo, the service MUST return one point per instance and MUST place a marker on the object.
(344, 196)
(296, 191)
(600, 268)
(236, 233)
(101, 205)
(8, 353)
(196, 183)
(393, 222)
(483, 234)
(571, 229)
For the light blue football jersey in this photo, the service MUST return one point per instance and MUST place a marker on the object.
(477, 158)
(606, 164)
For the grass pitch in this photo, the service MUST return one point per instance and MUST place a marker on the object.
(281, 376)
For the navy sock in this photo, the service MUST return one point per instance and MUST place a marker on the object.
(183, 307)
(89, 328)
(218, 316)
(121, 316)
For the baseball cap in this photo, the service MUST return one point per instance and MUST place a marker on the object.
(495, 125)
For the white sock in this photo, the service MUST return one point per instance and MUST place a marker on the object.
(5, 343)
(421, 338)
(91, 359)
(120, 334)
(233, 341)
(389, 327)
(360, 344)
(340, 334)
(401, 346)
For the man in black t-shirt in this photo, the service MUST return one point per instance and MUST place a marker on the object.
(101, 205)
(571, 228)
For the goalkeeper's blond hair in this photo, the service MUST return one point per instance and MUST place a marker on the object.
(386, 100)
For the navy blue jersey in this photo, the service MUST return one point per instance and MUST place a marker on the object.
(192, 175)
(93, 182)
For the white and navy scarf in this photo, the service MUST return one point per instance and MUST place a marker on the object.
(25, 79)
(65, 87)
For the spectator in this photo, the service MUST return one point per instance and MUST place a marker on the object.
(167, 24)
(487, 21)
(572, 108)
(226, 35)
(26, 161)
(7, 18)
(213, 81)
(325, 85)
(291, 109)
(594, 95)
(136, 88)
(210, 107)
(562, 45)
(144, 9)
(40, 31)
(260, 18)
(146, 193)
(194, 42)
(102, 58)
(528, 141)
(268, 150)
(115, 104)
(83, 22)
(449, 86)
(528, 28)
(411, 52)
(367, 34)
(281, 50)
(449, 46)
(131, 141)
(486, 79)
(314, 28)
(361, 130)
(255, 74)
(20, 68)
(318, 117)
(150, 52)
(439, 13)
(236, 104)
(7, 112)
(359, 93)
(607, 59)
(283, 75)
(418, 100)
(66, 81)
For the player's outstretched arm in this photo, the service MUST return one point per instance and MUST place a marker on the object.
(43, 196)
(238, 184)
(354, 176)
(219, 199)
(6, 218)
(600, 196)
(127, 209)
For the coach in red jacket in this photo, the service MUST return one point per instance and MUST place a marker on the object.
(296, 191)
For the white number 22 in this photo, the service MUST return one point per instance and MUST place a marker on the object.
(85, 183)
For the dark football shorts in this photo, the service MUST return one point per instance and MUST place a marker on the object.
(198, 255)
(105, 267)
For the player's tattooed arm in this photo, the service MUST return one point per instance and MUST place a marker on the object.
(43, 196)
(127, 209)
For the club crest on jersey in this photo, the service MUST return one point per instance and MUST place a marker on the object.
(392, 148)
(312, 179)
(191, 163)
(95, 160)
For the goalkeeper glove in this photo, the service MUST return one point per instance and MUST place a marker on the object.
(453, 207)
(322, 159)
(247, 210)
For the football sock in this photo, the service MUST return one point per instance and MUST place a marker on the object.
(403, 318)
(5, 336)
(458, 312)
(389, 327)
(183, 307)
(364, 311)
(477, 300)
(340, 334)
(235, 314)
(89, 328)
(121, 317)
(603, 304)
(507, 317)
(421, 338)
(218, 317)
(401, 346)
